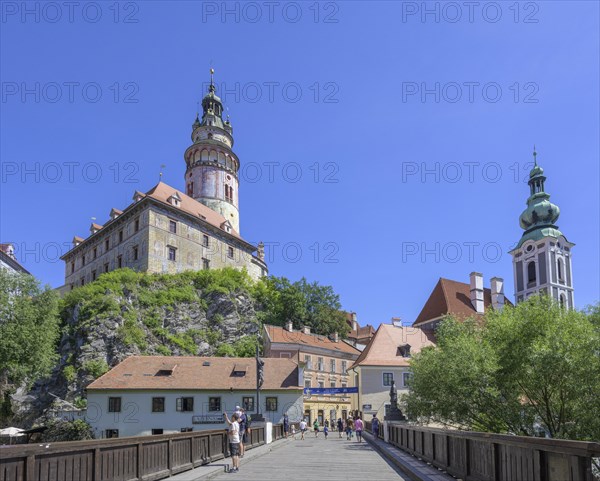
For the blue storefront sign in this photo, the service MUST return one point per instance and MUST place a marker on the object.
(320, 391)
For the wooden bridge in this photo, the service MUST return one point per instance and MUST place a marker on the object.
(401, 452)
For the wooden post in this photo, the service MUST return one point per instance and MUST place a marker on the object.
(97, 465)
(30, 469)
(140, 450)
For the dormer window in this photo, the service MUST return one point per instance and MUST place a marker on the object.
(403, 350)
(77, 240)
(137, 196)
(239, 371)
(174, 200)
(114, 213)
(226, 226)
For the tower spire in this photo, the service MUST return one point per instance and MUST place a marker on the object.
(211, 88)
(534, 156)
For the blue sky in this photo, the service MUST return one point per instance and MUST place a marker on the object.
(382, 146)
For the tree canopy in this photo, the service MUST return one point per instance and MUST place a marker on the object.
(531, 369)
(302, 302)
(29, 328)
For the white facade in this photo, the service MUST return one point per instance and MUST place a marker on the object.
(135, 416)
(374, 388)
(544, 266)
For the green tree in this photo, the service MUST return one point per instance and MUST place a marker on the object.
(531, 368)
(302, 302)
(29, 329)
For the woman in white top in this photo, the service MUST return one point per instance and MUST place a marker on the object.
(302, 428)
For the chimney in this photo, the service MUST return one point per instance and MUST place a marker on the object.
(289, 326)
(335, 337)
(497, 285)
(477, 291)
(354, 322)
(306, 329)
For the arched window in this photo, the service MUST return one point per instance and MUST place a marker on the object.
(196, 155)
(213, 155)
(221, 158)
(560, 270)
(562, 301)
(531, 274)
(204, 155)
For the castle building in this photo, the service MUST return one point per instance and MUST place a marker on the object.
(8, 260)
(165, 230)
(542, 257)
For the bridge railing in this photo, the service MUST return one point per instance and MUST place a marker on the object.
(496, 457)
(369, 428)
(144, 458)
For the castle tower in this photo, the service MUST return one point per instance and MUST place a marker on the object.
(211, 175)
(542, 257)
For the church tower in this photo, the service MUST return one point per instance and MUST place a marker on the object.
(211, 175)
(542, 257)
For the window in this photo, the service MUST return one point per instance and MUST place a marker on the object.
(72, 267)
(271, 404)
(119, 262)
(190, 189)
(120, 236)
(156, 431)
(205, 264)
(406, 376)
(173, 226)
(308, 361)
(344, 384)
(307, 383)
(230, 252)
(248, 403)
(344, 367)
(172, 253)
(333, 365)
(228, 193)
(560, 270)
(205, 240)
(214, 403)
(111, 433)
(321, 384)
(93, 275)
(388, 377)
(185, 404)
(106, 245)
(82, 260)
(114, 404)
(95, 252)
(187, 430)
(106, 267)
(332, 384)
(135, 253)
(531, 277)
(136, 225)
(320, 365)
(561, 300)
(158, 404)
(82, 281)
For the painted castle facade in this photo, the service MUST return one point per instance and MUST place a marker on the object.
(166, 230)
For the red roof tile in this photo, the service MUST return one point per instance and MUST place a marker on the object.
(280, 335)
(190, 372)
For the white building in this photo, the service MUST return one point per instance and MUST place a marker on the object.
(165, 394)
(386, 358)
(8, 260)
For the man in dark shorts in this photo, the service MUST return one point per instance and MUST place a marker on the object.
(286, 425)
(234, 441)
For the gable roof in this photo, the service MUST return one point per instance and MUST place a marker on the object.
(383, 348)
(452, 297)
(280, 335)
(197, 373)
(162, 192)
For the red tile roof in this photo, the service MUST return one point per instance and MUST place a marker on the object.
(383, 348)
(280, 335)
(190, 372)
(452, 297)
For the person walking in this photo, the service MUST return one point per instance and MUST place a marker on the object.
(316, 428)
(326, 429)
(302, 429)
(286, 425)
(375, 426)
(340, 426)
(358, 426)
(349, 426)
(234, 441)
